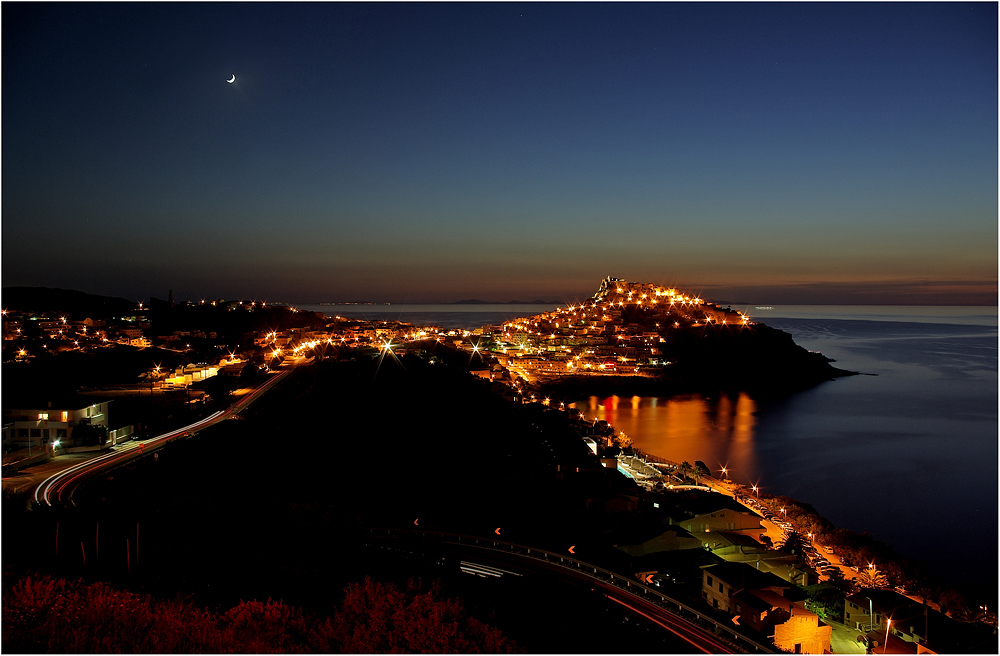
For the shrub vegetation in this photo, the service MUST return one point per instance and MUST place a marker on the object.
(47, 615)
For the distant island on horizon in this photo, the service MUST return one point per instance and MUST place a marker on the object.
(469, 301)
(476, 301)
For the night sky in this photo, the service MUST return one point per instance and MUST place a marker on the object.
(789, 153)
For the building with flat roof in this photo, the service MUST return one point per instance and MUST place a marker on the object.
(40, 423)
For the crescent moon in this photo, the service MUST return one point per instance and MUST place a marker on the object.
(232, 80)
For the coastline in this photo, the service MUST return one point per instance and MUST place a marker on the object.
(909, 443)
(573, 388)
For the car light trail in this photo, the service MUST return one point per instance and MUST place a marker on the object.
(484, 570)
(716, 647)
(58, 487)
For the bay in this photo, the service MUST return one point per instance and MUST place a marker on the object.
(907, 452)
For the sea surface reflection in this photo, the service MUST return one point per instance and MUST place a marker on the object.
(907, 453)
(717, 430)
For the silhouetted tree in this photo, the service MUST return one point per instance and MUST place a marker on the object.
(953, 603)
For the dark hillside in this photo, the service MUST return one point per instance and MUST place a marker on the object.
(79, 305)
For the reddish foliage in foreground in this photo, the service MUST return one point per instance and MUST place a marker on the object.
(45, 615)
(379, 618)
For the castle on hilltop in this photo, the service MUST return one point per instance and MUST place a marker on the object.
(615, 290)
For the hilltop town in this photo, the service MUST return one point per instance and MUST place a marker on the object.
(625, 328)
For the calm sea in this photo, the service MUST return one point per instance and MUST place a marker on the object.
(907, 452)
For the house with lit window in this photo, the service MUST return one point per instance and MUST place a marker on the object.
(51, 423)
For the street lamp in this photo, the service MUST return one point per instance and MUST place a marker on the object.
(156, 372)
(888, 623)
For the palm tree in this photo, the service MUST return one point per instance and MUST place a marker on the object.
(685, 468)
(871, 578)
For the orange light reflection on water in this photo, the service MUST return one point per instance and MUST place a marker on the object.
(718, 430)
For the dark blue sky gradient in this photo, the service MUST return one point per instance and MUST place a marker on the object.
(751, 152)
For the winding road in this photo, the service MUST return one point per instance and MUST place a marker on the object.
(701, 633)
(58, 488)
